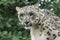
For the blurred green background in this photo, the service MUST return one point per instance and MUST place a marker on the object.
(10, 29)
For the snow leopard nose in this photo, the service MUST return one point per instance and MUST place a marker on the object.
(26, 22)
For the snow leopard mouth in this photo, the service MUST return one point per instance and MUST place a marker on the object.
(27, 25)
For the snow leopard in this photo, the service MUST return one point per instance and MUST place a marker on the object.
(42, 23)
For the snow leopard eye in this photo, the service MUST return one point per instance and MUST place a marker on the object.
(21, 15)
(31, 13)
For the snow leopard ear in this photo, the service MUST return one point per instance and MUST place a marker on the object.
(18, 8)
(36, 5)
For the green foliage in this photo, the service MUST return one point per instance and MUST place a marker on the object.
(10, 29)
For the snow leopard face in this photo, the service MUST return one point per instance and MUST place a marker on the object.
(28, 15)
(47, 24)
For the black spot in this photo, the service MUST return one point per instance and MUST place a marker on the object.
(42, 24)
(39, 24)
(50, 29)
(48, 33)
(54, 28)
(47, 38)
(54, 36)
(46, 26)
(40, 34)
(43, 28)
(56, 19)
(58, 33)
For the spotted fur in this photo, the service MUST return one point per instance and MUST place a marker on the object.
(43, 24)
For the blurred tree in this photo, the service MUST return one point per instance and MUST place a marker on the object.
(10, 29)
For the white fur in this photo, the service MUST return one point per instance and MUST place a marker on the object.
(35, 35)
